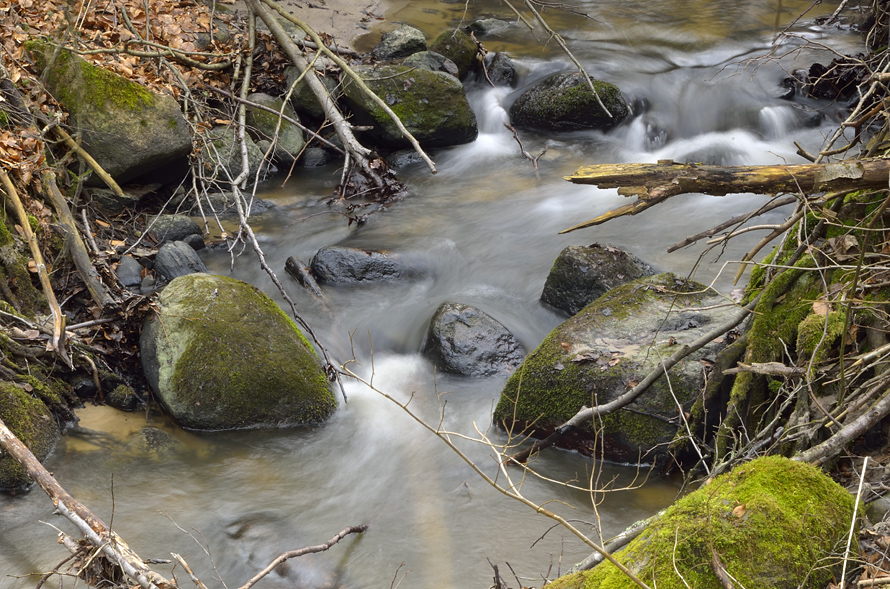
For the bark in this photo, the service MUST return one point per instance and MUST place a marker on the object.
(655, 183)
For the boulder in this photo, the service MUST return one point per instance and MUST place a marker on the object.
(431, 105)
(564, 102)
(432, 61)
(220, 354)
(458, 47)
(175, 259)
(347, 265)
(582, 274)
(223, 204)
(500, 68)
(486, 26)
(401, 42)
(464, 340)
(314, 157)
(599, 353)
(225, 147)
(302, 98)
(166, 228)
(772, 523)
(128, 129)
(290, 137)
(128, 272)
(32, 423)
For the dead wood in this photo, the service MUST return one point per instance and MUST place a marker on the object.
(655, 183)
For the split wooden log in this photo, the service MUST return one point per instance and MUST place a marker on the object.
(94, 529)
(655, 183)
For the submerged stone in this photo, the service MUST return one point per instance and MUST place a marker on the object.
(220, 354)
(348, 265)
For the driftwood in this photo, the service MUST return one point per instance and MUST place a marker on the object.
(655, 183)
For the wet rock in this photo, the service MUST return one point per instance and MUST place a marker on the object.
(403, 157)
(431, 105)
(347, 265)
(501, 69)
(762, 507)
(432, 61)
(166, 228)
(223, 204)
(228, 150)
(600, 352)
(196, 242)
(33, 424)
(129, 272)
(219, 354)
(464, 340)
(123, 397)
(151, 442)
(128, 129)
(314, 157)
(401, 42)
(290, 137)
(582, 274)
(459, 48)
(564, 102)
(302, 274)
(175, 259)
(486, 26)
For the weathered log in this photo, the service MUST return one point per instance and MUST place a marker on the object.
(655, 183)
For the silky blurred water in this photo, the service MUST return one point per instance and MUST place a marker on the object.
(486, 227)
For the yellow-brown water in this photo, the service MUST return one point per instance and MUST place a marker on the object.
(486, 228)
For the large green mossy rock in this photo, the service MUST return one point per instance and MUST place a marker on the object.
(128, 129)
(220, 354)
(772, 523)
(603, 351)
(564, 102)
(431, 105)
(457, 46)
(32, 423)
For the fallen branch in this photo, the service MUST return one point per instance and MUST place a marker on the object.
(655, 183)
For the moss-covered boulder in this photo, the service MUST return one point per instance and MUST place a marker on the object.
(771, 524)
(457, 46)
(128, 129)
(431, 105)
(226, 150)
(220, 354)
(603, 351)
(302, 98)
(262, 122)
(31, 421)
(564, 102)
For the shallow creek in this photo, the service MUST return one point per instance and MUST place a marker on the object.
(486, 226)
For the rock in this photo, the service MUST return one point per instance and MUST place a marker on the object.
(110, 203)
(403, 157)
(757, 520)
(128, 129)
(151, 442)
(603, 349)
(432, 61)
(486, 26)
(464, 340)
(166, 228)
(314, 157)
(30, 420)
(347, 265)
(222, 138)
(223, 204)
(302, 98)
(123, 397)
(196, 242)
(459, 48)
(500, 68)
(220, 355)
(431, 105)
(582, 274)
(401, 42)
(177, 258)
(879, 509)
(290, 137)
(129, 272)
(564, 102)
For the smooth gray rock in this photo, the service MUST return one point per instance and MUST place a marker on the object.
(226, 147)
(486, 26)
(459, 48)
(432, 61)
(166, 228)
(224, 205)
(314, 157)
(263, 123)
(129, 272)
(175, 259)
(564, 102)
(582, 274)
(401, 42)
(347, 265)
(464, 340)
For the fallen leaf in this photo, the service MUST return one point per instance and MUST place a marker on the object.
(739, 511)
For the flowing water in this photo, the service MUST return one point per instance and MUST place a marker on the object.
(486, 227)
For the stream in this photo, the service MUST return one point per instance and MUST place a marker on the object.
(486, 226)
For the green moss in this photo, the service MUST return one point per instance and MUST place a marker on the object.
(30, 420)
(811, 330)
(773, 523)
